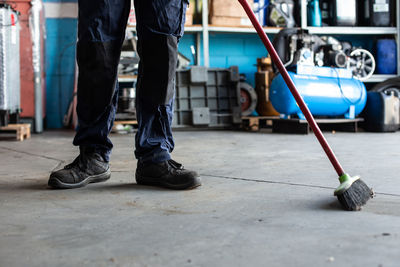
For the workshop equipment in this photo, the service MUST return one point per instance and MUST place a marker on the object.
(207, 97)
(126, 100)
(9, 65)
(127, 78)
(32, 70)
(344, 12)
(263, 78)
(326, 12)
(386, 50)
(352, 193)
(314, 16)
(248, 98)
(381, 12)
(382, 113)
(261, 10)
(377, 13)
(296, 46)
(280, 13)
(327, 91)
(126, 108)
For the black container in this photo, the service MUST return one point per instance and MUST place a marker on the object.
(382, 12)
(377, 13)
(296, 15)
(3, 118)
(326, 7)
(363, 13)
(344, 12)
(382, 112)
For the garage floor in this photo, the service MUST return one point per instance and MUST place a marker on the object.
(267, 200)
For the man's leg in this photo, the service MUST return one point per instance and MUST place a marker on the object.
(155, 96)
(101, 31)
(159, 27)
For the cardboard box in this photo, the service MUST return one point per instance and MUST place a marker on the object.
(189, 20)
(228, 8)
(190, 8)
(229, 21)
(189, 14)
(228, 13)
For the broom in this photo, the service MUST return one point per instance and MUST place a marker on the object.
(352, 193)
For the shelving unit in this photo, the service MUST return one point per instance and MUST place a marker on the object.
(202, 33)
(353, 30)
(205, 29)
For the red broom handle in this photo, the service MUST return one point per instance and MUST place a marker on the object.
(292, 87)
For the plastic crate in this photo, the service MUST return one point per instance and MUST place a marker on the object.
(208, 97)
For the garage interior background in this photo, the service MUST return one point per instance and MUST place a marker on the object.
(217, 47)
(225, 50)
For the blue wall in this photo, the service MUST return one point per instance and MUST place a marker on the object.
(230, 49)
(60, 67)
(60, 63)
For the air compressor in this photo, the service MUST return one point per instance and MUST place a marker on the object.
(330, 92)
(327, 73)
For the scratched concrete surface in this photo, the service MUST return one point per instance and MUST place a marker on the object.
(266, 200)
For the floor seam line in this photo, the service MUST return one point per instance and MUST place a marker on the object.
(266, 181)
(285, 183)
(31, 154)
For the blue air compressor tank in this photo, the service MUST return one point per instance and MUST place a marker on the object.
(326, 91)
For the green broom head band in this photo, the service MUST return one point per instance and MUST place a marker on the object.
(345, 182)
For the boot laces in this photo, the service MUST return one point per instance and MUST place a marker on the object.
(175, 164)
(78, 162)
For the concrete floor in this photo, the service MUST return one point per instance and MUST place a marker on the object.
(266, 201)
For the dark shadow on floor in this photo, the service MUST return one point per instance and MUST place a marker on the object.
(8, 138)
(123, 187)
(330, 205)
(38, 185)
(41, 185)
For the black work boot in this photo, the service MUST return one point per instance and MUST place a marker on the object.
(168, 174)
(85, 169)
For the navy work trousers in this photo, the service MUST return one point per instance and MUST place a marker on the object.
(101, 31)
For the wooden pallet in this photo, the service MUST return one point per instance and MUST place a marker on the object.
(22, 131)
(256, 123)
(298, 126)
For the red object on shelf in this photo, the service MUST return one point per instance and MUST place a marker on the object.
(27, 75)
(12, 20)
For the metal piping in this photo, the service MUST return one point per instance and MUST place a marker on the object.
(36, 34)
(206, 53)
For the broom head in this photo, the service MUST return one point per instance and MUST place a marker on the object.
(352, 193)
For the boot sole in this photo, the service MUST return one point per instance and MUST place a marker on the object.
(54, 182)
(150, 181)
